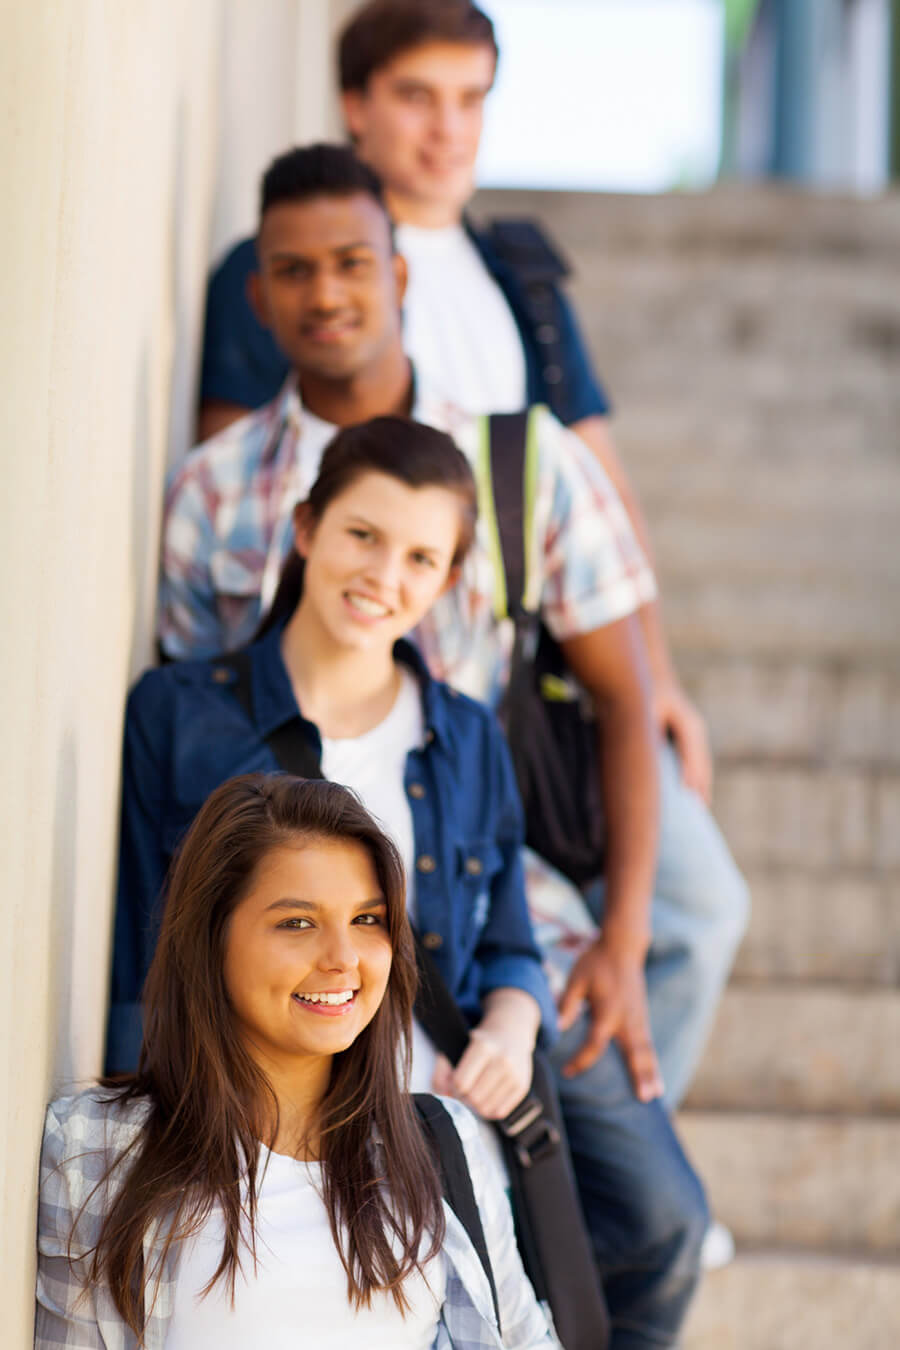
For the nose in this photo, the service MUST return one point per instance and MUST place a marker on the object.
(337, 950)
(326, 291)
(384, 570)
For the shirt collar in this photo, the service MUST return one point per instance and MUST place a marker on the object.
(272, 694)
(284, 413)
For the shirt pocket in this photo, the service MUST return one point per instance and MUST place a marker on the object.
(477, 864)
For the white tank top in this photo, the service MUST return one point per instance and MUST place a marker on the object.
(298, 1293)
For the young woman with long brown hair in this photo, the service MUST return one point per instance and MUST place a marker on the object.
(382, 534)
(262, 1176)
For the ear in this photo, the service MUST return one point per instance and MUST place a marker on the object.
(256, 298)
(304, 528)
(401, 275)
(451, 579)
(353, 112)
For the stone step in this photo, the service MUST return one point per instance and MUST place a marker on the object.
(776, 814)
(827, 1183)
(796, 1300)
(795, 711)
(809, 619)
(801, 1047)
(829, 925)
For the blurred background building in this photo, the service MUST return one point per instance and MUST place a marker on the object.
(720, 178)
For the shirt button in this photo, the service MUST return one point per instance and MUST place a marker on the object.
(552, 374)
(429, 736)
(474, 867)
(547, 333)
(417, 790)
(425, 863)
(221, 674)
(432, 941)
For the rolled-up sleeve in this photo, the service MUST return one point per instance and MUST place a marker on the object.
(591, 567)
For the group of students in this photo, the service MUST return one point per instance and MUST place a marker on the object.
(254, 1163)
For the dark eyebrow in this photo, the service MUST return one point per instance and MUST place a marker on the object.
(310, 906)
(285, 255)
(421, 548)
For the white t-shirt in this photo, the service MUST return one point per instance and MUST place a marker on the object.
(298, 1292)
(457, 325)
(374, 764)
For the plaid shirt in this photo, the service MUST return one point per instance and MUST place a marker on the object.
(228, 529)
(84, 1134)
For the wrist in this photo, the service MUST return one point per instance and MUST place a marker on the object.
(625, 942)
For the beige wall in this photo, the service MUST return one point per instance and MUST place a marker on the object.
(117, 177)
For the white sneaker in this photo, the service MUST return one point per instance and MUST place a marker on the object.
(718, 1247)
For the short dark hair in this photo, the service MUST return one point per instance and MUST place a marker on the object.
(380, 30)
(317, 171)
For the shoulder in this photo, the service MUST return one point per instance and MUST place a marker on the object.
(466, 716)
(163, 684)
(233, 269)
(94, 1121)
(523, 246)
(232, 455)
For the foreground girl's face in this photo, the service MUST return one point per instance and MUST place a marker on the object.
(379, 558)
(308, 953)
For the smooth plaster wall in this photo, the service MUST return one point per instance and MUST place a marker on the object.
(131, 141)
(109, 117)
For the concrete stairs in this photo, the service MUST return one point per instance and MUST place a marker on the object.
(751, 340)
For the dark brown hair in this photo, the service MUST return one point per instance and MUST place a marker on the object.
(381, 30)
(209, 1102)
(417, 455)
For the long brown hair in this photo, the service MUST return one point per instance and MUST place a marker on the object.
(210, 1103)
(414, 454)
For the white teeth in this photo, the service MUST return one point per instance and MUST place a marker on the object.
(367, 606)
(343, 997)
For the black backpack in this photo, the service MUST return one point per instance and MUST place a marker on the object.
(548, 718)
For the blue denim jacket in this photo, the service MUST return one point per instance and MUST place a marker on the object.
(186, 733)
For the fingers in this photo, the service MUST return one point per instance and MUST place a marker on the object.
(643, 1066)
(592, 1047)
(442, 1078)
(488, 1080)
(572, 998)
(692, 744)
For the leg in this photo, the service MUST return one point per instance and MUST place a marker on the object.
(644, 1206)
(700, 910)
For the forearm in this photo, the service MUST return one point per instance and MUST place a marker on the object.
(595, 433)
(512, 1015)
(628, 768)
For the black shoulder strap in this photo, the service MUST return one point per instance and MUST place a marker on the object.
(289, 742)
(436, 1010)
(450, 1157)
(507, 439)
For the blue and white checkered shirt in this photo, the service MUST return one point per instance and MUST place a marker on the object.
(85, 1134)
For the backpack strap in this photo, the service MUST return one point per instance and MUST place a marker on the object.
(456, 1183)
(289, 743)
(507, 480)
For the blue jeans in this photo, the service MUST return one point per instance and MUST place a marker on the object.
(644, 1206)
(700, 909)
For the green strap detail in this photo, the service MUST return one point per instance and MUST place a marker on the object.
(488, 509)
(530, 600)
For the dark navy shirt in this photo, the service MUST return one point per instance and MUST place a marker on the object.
(186, 733)
(242, 364)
